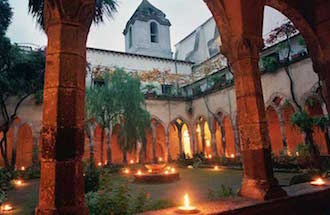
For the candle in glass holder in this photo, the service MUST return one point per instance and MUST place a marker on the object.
(318, 182)
(187, 208)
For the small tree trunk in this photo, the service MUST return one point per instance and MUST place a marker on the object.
(180, 140)
(315, 154)
(4, 151)
(102, 145)
(125, 157)
(223, 139)
(109, 140)
(91, 149)
(14, 149)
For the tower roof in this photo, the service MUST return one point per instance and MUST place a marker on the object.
(145, 12)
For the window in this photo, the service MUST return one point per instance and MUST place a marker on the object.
(154, 32)
(167, 89)
(130, 37)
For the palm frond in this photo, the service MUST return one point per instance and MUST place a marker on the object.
(103, 8)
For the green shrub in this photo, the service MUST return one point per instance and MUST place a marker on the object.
(223, 192)
(3, 196)
(91, 177)
(284, 161)
(306, 176)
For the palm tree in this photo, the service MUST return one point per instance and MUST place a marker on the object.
(103, 8)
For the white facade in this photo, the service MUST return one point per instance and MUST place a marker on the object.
(202, 44)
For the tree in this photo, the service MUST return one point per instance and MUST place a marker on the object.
(21, 75)
(119, 100)
(103, 8)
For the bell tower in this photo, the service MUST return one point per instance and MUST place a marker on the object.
(148, 32)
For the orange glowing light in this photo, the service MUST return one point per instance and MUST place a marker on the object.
(18, 182)
(23, 168)
(7, 207)
(160, 159)
(166, 172)
(150, 170)
(318, 182)
(126, 171)
(297, 154)
(131, 162)
(99, 164)
(232, 156)
(173, 170)
(190, 167)
(210, 156)
(139, 172)
(187, 208)
(216, 168)
(168, 168)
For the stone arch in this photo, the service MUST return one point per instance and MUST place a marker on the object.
(116, 152)
(230, 137)
(160, 135)
(24, 146)
(99, 148)
(174, 137)
(203, 135)
(313, 106)
(274, 126)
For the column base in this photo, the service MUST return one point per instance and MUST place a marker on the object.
(78, 210)
(261, 189)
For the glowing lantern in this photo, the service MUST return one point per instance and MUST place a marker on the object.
(126, 171)
(190, 167)
(173, 170)
(160, 159)
(99, 164)
(7, 207)
(150, 170)
(187, 208)
(318, 182)
(18, 182)
(216, 168)
(139, 172)
(131, 162)
(232, 156)
(23, 168)
(166, 172)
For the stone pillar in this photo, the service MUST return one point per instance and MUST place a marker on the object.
(258, 181)
(213, 139)
(202, 124)
(154, 139)
(180, 139)
(167, 147)
(67, 25)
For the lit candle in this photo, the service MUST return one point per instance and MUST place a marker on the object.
(190, 167)
(318, 182)
(139, 172)
(99, 164)
(23, 168)
(210, 156)
(160, 159)
(166, 172)
(126, 171)
(297, 154)
(132, 162)
(18, 182)
(150, 170)
(173, 170)
(216, 168)
(232, 156)
(7, 207)
(187, 208)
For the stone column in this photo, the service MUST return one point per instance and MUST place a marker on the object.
(180, 139)
(153, 134)
(202, 124)
(67, 25)
(213, 139)
(258, 181)
(167, 147)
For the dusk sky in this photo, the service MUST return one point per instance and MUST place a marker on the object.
(185, 16)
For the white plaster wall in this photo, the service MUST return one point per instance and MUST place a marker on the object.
(133, 63)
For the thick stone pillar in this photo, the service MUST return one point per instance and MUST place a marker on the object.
(153, 134)
(61, 184)
(258, 181)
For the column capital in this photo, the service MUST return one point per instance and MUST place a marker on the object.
(77, 12)
(243, 46)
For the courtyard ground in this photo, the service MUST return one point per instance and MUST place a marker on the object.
(196, 182)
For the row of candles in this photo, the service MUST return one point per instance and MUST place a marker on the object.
(139, 172)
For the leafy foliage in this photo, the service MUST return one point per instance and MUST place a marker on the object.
(91, 177)
(223, 192)
(103, 8)
(5, 16)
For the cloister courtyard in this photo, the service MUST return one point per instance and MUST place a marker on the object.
(231, 119)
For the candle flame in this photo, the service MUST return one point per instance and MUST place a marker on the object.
(132, 162)
(173, 170)
(7, 207)
(139, 172)
(23, 168)
(318, 182)
(19, 182)
(186, 201)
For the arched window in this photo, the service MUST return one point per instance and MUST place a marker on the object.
(130, 37)
(154, 32)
